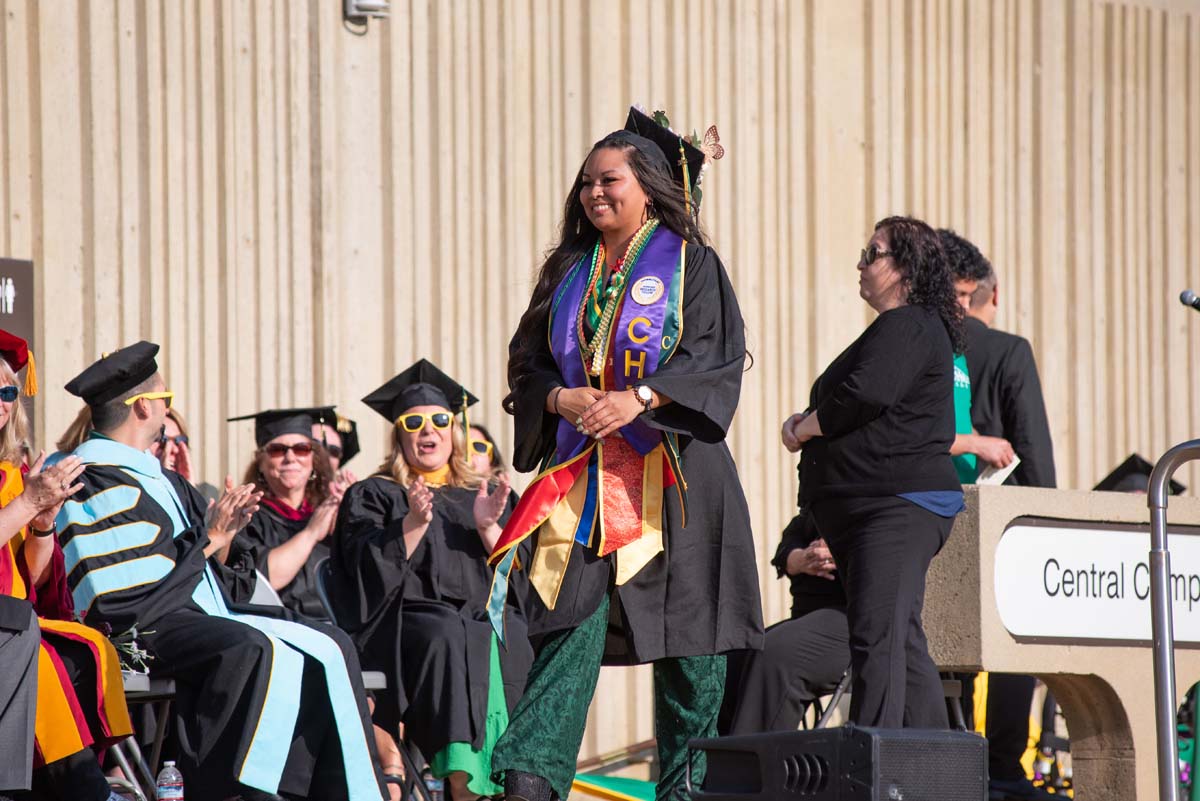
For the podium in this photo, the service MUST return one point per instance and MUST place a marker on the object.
(1055, 583)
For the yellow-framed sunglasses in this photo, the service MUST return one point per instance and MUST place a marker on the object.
(164, 396)
(415, 422)
(481, 446)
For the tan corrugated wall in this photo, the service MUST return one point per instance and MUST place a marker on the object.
(296, 211)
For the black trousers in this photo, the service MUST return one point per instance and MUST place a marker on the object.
(801, 660)
(883, 547)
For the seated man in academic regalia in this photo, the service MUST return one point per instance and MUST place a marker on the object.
(266, 705)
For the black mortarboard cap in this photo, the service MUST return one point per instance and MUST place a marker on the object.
(115, 374)
(273, 423)
(1133, 475)
(668, 142)
(348, 429)
(422, 384)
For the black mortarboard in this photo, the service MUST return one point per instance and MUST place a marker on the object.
(348, 429)
(422, 384)
(669, 143)
(273, 423)
(1133, 475)
(115, 374)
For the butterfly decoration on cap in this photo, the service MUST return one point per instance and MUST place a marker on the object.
(709, 145)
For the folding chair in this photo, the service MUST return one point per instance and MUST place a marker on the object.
(411, 784)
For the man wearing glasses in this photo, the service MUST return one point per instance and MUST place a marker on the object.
(256, 694)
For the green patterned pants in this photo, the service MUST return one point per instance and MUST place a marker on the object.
(545, 731)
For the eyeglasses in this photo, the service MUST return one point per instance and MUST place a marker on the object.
(178, 439)
(871, 253)
(276, 450)
(415, 422)
(163, 396)
(9, 394)
(482, 446)
(334, 450)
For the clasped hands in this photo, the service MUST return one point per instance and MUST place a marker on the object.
(595, 412)
(799, 429)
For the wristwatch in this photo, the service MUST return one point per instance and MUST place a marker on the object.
(644, 395)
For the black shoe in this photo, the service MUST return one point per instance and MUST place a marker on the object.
(1018, 790)
(520, 786)
(250, 794)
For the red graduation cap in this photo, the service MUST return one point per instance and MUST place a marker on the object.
(16, 352)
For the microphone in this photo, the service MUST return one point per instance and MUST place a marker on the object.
(1189, 298)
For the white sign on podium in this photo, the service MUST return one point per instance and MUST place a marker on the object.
(1058, 581)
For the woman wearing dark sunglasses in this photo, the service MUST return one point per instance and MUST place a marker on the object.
(299, 505)
(877, 473)
(412, 583)
(80, 702)
(172, 448)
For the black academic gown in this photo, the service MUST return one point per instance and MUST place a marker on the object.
(222, 667)
(700, 595)
(1006, 400)
(421, 617)
(269, 529)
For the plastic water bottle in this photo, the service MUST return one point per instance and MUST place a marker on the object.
(170, 783)
(432, 784)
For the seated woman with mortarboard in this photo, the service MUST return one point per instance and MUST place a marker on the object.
(299, 506)
(412, 582)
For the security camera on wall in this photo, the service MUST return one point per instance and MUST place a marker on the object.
(361, 10)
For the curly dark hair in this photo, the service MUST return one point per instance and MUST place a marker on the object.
(318, 487)
(917, 252)
(968, 264)
(578, 236)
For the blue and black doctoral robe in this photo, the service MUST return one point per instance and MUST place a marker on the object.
(264, 701)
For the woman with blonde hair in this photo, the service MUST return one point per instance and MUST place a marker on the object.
(72, 718)
(77, 432)
(412, 582)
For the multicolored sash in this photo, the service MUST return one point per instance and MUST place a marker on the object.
(606, 495)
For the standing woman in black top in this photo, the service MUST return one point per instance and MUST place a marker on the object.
(876, 468)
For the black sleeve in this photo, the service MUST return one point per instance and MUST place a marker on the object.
(799, 533)
(890, 355)
(534, 426)
(703, 378)
(1023, 415)
(238, 574)
(368, 550)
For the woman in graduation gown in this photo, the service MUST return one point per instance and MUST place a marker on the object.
(625, 372)
(80, 696)
(412, 582)
(299, 505)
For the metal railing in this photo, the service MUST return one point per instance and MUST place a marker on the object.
(1161, 619)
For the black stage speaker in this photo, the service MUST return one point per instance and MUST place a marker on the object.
(847, 763)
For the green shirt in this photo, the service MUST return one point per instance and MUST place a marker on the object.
(964, 464)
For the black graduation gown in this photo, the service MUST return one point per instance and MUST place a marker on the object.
(421, 617)
(269, 529)
(700, 595)
(1006, 400)
(222, 666)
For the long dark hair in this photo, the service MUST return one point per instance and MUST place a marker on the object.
(917, 251)
(578, 236)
